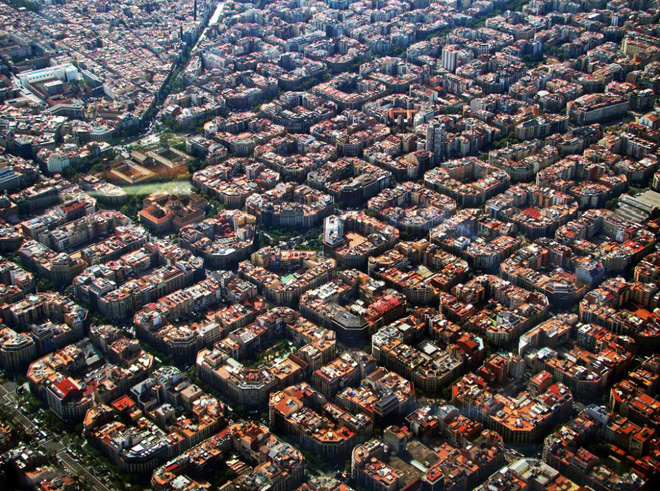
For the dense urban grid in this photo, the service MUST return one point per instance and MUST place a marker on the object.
(319, 245)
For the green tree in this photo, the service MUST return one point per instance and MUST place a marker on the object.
(45, 285)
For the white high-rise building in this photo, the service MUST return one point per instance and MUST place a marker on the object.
(450, 54)
(333, 231)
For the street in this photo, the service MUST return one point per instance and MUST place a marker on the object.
(7, 396)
